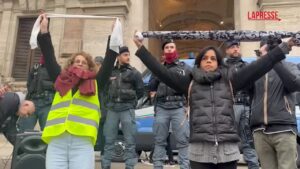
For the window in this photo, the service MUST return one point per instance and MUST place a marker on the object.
(24, 57)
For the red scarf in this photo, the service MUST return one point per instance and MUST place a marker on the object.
(74, 76)
(171, 57)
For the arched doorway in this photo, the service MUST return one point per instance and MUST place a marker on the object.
(175, 15)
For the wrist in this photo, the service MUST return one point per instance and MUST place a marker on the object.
(44, 31)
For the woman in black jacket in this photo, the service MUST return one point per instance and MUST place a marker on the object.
(213, 136)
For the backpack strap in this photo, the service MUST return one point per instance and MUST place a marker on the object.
(187, 111)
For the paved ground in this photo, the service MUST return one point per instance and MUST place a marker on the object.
(6, 152)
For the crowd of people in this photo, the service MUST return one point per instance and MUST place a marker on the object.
(210, 108)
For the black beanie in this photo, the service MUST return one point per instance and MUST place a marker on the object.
(165, 42)
(123, 49)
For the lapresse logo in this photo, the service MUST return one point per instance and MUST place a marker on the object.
(264, 15)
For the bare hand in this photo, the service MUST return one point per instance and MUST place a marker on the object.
(152, 94)
(4, 89)
(44, 23)
(263, 50)
(137, 40)
(42, 11)
(293, 42)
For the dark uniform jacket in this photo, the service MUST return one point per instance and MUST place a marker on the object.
(167, 97)
(9, 105)
(124, 88)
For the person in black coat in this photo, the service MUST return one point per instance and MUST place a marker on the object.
(13, 106)
(213, 135)
(273, 120)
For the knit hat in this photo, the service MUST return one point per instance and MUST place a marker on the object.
(123, 49)
(230, 43)
(98, 59)
(165, 42)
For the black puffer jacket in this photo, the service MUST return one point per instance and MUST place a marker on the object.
(212, 114)
(242, 96)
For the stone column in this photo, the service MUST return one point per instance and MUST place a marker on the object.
(7, 16)
(138, 19)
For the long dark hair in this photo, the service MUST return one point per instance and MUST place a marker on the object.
(202, 53)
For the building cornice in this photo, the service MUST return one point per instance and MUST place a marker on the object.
(116, 8)
(263, 4)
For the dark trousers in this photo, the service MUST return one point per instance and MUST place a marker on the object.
(168, 149)
(228, 165)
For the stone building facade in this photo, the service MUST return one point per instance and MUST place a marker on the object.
(73, 35)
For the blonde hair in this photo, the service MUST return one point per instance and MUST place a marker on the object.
(88, 57)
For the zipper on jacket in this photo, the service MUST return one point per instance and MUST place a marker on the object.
(214, 114)
(119, 85)
(266, 100)
(287, 105)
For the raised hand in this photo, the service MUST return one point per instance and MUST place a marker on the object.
(44, 23)
(138, 39)
(293, 42)
(4, 89)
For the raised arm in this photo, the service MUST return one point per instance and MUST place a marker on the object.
(178, 82)
(255, 70)
(107, 67)
(289, 75)
(47, 49)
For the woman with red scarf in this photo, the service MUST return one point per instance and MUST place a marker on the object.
(72, 123)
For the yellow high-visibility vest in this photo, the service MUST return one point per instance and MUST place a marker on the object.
(79, 115)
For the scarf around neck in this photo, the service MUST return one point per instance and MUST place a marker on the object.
(76, 77)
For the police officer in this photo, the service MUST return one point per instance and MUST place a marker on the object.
(170, 111)
(98, 61)
(242, 106)
(125, 87)
(298, 93)
(40, 91)
(100, 137)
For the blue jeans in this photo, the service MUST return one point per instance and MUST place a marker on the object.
(180, 129)
(111, 127)
(249, 153)
(42, 108)
(68, 151)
